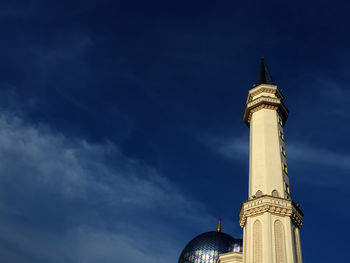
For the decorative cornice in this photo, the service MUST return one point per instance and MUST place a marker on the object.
(273, 205)
(230, 257)
(264, 89)
(265, 102)
(263, 99)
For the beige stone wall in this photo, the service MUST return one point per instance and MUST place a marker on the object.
(266, 114)
(266, 172)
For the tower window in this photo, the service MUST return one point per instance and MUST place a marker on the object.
(284, 167)
(281, 135)
(287, 188)
(280, 121)
(275, 193)
(283, 150)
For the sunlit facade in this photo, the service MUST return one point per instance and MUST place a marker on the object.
(270, 219)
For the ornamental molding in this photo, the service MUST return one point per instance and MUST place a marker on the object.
(269, 204)
(264, 99)
(264, 89)
(230, 257)
(265, 102)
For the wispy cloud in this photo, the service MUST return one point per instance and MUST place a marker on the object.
(319, 156)
(67, 200)
(322, 167)
(299, 155)
(236, 148)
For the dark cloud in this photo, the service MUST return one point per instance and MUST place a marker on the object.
(64, 200)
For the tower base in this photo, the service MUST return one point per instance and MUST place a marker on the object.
(271, 230)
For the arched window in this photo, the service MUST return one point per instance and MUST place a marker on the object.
(275, 193)
(258, 193)
(281, 135)
(280, 245)
(257, 242)
(280, 121)
(284, 167)
(283, 150)
(297, 244)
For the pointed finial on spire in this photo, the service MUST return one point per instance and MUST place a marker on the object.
(241, 236)
(219, 225)
(264, 76)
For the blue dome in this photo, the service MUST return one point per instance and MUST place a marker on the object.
(207, 247)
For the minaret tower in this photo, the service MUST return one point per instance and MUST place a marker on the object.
(270, 219)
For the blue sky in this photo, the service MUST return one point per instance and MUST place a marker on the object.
(121, 131)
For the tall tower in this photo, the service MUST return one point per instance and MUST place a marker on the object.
(270, 219)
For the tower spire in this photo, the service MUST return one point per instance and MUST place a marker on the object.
(219, 225)
(264, 76)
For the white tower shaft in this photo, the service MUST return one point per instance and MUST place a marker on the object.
(267, 156)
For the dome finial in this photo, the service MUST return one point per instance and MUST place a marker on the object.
(219, 225)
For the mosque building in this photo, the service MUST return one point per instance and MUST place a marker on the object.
(270, 219)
